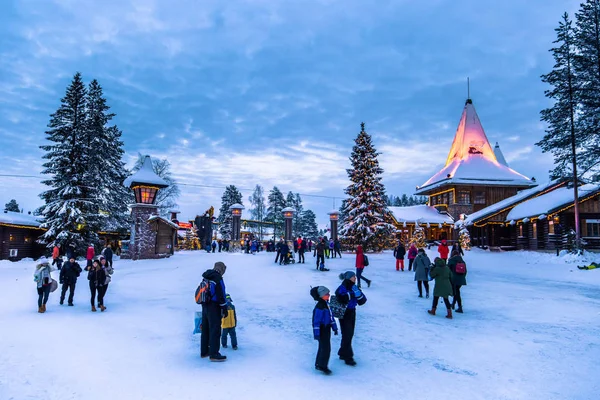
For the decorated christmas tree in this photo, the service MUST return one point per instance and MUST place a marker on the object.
(464, 239)
(418, 238)
(191, 241)
(367, 220)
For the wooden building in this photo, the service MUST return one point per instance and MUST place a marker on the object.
(436, 225)
(18, 236)
(166, 232)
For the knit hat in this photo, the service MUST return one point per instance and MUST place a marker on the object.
(322, 291)
(228, 298)
(220, 267)
(347, 275)
(42, 261)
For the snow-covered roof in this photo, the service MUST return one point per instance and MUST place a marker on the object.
(145, 175)
(15, 218)
(499, 155)
(421, 214)
(472, 160)
(549, 202)
(164, 220)
(517, 198)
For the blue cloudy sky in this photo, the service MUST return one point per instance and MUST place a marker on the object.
(273, 92)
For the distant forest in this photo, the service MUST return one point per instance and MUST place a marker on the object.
(404, 200)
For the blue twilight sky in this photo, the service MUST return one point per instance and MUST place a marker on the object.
(273, 92)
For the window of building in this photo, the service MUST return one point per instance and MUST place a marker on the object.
(534, 230)
(432, 201)
(450, 198)
(521, 230)
(479, 198)
(551, 227)
(593, 227)
(27, 239)
(445, 199)
(464, 197)
(11, 238)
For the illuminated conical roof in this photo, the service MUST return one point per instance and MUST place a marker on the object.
(472, 160)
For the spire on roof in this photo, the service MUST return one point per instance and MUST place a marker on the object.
(499, 155)
(145, 176)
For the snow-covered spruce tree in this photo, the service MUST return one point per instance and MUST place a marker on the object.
(12, 206)
(276, 203)
(70, 211)
(367, 219)
(105, 168)
(166, 199)
(309, 225)
(230, 197)
(259, 208)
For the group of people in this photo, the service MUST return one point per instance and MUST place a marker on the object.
(323, 249)
(99, 271)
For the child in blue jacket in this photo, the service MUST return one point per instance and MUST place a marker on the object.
(323, 323)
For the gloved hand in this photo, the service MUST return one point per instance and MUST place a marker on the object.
(224, 312)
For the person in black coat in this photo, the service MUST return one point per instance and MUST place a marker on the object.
(212, 313)
(399, 253)
(108, 254)
(97, 278)
(350, 295)
(68, 278)
(458, 248)
(278, 250)
(285, 250)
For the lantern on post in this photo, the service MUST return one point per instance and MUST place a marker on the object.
(288, 215)
(236, 226)
(334, 216)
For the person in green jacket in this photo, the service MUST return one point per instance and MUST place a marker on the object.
(443, 285)
(458, 280)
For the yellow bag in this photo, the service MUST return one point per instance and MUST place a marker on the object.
(229, 320)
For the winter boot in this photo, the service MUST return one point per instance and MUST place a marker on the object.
(432, 311)
(325, 370)
(40, 310)
(43, 308)
(93, 309)
(218, 358)
(62, 301)
(350, 362)
(459, 310)
(102, 308)
(368, 284)
(449, 315)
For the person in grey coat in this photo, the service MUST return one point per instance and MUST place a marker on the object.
(422, 264)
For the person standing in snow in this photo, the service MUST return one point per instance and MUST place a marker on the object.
(284, 258)
(214, 245)
(56, 256)
(399, 253)
(348, 293)
(96, 278)
(91, 253)
(320, 254)
(412, 254)
(323, 323)
(301, 249)
(228, 325)
(360, 266)
(108, 271)
(254, 247)
(220, 244)
(456, 247)
(108, 254)
(68, 278)
(43, 280)
(337, 247)
(458, 279)
(310, 245)
(213, 312)
(422, 264)
(443, 250)
(332, 248)
(443, 286)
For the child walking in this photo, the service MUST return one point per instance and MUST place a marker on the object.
(323, 323)
(228, 324)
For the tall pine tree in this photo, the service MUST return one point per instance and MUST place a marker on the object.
(230, 197)
(310, 229)
(367, 220)
(276, 203)
(12, 206)
(70, 213)
(259, 208)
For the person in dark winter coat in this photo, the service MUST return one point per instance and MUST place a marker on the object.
(320, 254)
(323, 323)
(458, 280)
(412, 254)
(360, 266)
(348, 293)
(228, 324)
(422, 264)
(97, 279)
(399, 253)
(284, 258)
(278, 250)
(456, 247)
(337, 247)
(107, 253)
(108, 271)
(43, 280)
(68, 278)
(443, 286)
(213, 312)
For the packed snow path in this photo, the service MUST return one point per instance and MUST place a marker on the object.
(530, 331)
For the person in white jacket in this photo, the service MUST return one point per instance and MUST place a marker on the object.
(43, 278)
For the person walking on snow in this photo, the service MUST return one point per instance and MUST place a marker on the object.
(213, 312)
(412, 254)
(214, 245)
(228, 324)
(348, 293)
(56, 257)
(399, 253)
(91, 253)
(108, 271)
(443, 250)
(422, 265)
(443, 286)
(332, 248)
(96, 278)
(43, 280)
(337, 247)
(458, 279)
(360, 266)
(301, 250)
(457, 247)
(323, 323)
(320, 254)
(68, 278)
(108, 254)
(278, 250)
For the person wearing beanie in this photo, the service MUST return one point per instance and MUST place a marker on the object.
(90, 254)
(443, 250)
(443, 285)
(399, 253)
(348, 293)
(43, 280)
(323, 323)
(68, 279)
(228, 324)
(213, 311)
(360, 266)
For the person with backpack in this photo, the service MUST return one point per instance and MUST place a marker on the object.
(228, 324)
(443, 285)
(214, 309)
(97, 278)
(68, 279)
(399, 253)
(301, 250)
(323, 322)
(350, 295)
(443, 250)
(458, 267)
(422, 264)
(43, 280)
(412, 254)
(320, 254)
(361, 263)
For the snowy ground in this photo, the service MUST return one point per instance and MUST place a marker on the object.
(530, 331)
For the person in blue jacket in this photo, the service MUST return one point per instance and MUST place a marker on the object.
(323, 323)
(212, 314)
(348, 293)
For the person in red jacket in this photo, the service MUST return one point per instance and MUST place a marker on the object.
(90, 255)
(360, 266)
(443, 250)
(412, 254)
(56, 256)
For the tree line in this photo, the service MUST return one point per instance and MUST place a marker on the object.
(404, 200)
